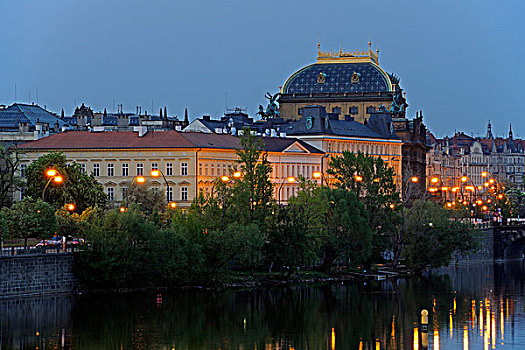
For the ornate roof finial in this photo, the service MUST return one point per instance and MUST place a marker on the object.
(510, 131)
(318, 48)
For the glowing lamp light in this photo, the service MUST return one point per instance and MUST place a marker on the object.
(486, 184)
(454, 189)
(392, 206)
(290, 179)
(358, 178)
(123, 209)
(414, 179)
(444, 188)
(71, 206)
(484, 208)
(141, 179)
(172, 205)
(51, 172)
(479, 202)
(225, 178)
(463, 179)
(434, 180)
(317, 174)
(484, 174)
(237, 174)
(465, 202)
(155, 173)
(500, 196)
(491, 181)
(58, 179)
(489, 201)
(449, 205)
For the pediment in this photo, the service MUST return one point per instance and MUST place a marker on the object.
(296, 147)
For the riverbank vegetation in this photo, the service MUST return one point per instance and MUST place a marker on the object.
(355, 219)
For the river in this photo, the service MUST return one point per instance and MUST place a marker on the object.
(470, 307)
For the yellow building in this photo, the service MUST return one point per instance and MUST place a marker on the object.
(191, 162)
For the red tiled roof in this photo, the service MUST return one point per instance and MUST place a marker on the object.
(152, 139)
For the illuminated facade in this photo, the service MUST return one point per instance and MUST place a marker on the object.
(191, 162)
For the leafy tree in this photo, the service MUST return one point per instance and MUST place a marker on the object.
(346, 234)
(374, 183)
(3, 228)
(294, 229)
(9, 179)
(237, 245)
(149, 200)
(30, 219)
(433, 236)
(253, 192)
(78, 187)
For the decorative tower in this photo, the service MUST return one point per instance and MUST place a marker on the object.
(510, 131)
(489, 131)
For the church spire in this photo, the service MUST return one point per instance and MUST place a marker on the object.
(489, 131)
(510, 131)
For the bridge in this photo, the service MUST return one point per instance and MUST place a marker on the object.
(505, 240)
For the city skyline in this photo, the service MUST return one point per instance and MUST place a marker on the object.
(455, 61)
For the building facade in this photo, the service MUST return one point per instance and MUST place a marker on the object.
(191, 162)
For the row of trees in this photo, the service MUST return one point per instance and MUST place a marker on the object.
(358, 220)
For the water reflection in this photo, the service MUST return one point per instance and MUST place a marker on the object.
(470, 308)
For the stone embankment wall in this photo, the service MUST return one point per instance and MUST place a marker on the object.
(36, 274)
(486, 252)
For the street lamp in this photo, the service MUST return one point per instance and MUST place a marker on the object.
(137, 179)
(289, 179)
(53, 176)
(71, 207)
(157, 173)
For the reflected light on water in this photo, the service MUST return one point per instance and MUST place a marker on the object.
(333, 339)
(416, 338)
(378, 344)
(451, 326)
(465, 337)
(481, 318)
(493, 330)
(361, 345)
(454, 306)
(436, 339)
(501, 320)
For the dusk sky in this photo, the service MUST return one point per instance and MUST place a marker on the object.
(459, 61)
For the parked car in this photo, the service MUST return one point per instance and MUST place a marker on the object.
(77, 241)
(54, 241)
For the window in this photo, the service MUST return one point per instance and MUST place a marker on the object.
(212, 169)
(125, 169)
(154, 166)
(23, 168)
(82, 167)
(184, 169)
(140, 169)
(22, 193)
(300, 111)
(169, 194)
(111, 170)
(184, 193)
(124, 193)
(111, 193)
(353, 110)
(336, 110)
(169, 169)
(224, 169)
(96, 169)
(370, 109)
